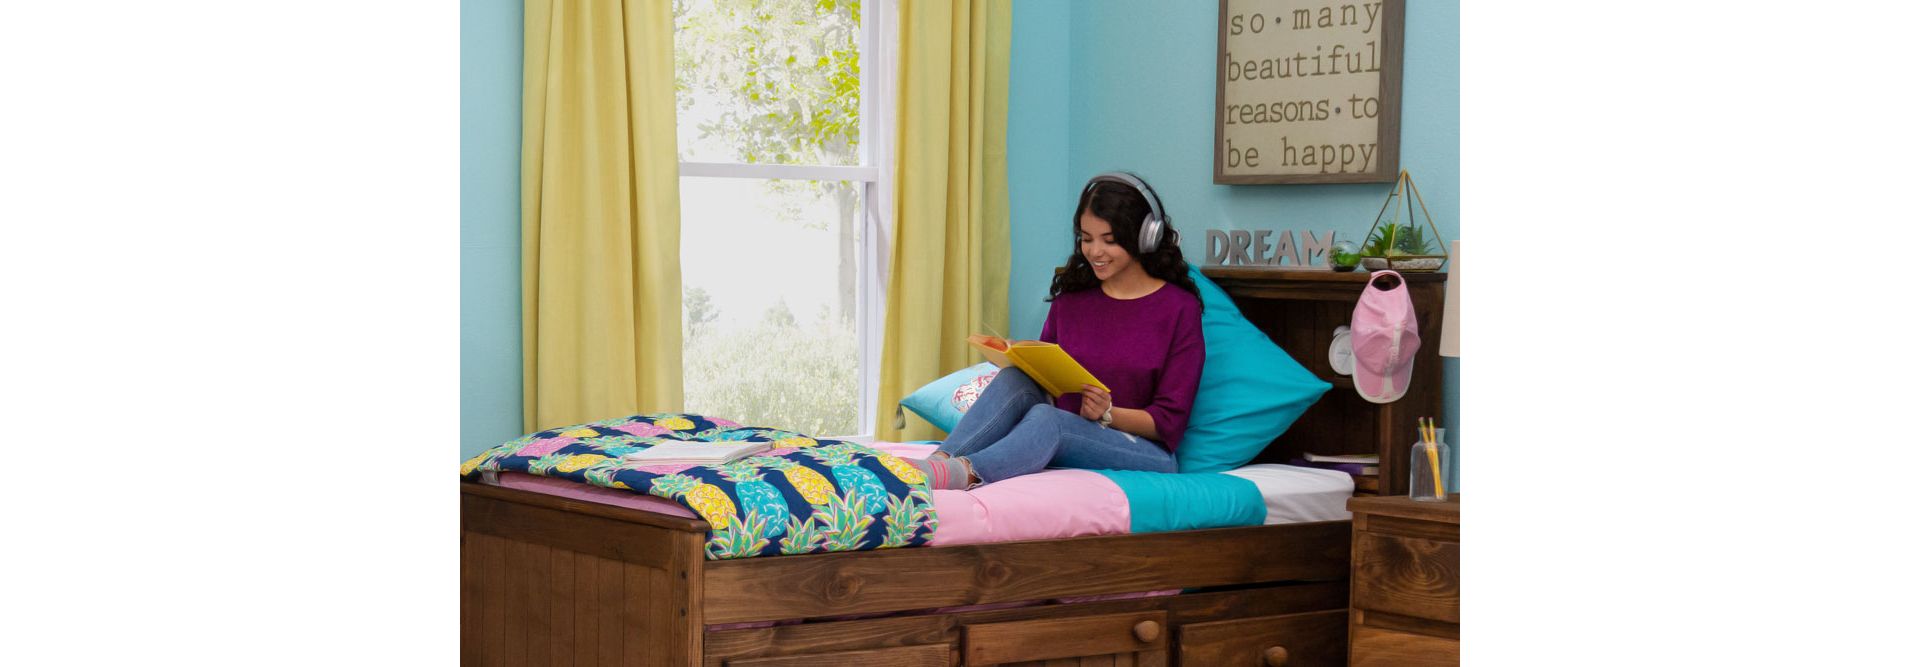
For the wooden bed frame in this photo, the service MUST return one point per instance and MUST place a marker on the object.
(551, 581)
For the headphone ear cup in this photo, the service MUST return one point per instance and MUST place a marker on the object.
(1150, 234)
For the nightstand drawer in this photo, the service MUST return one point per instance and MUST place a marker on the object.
(1302, 640)
(1411, 576)
(1373, 647)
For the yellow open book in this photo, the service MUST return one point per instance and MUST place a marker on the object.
(1049, 366)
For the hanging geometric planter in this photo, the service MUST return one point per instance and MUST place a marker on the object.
(1403, 247)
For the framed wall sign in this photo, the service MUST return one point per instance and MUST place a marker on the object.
(1308, 91)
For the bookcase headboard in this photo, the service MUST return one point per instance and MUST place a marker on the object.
(1299, 310)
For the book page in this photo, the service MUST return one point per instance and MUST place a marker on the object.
(986, 346)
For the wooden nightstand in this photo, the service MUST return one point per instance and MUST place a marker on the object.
(1406, 582)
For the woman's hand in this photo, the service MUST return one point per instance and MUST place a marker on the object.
(1094, 402)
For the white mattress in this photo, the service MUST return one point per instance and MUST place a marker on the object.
(1295, 494)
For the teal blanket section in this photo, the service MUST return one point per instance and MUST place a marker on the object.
(1164, 501)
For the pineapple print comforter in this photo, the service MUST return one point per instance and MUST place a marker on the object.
(803, 496)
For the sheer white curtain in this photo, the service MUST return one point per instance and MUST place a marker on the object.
(882, 62)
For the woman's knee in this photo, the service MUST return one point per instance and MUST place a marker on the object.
(1046, 412)
(1013, 379)
(1052, 418)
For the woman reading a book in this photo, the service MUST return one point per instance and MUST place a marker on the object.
(1126, 310)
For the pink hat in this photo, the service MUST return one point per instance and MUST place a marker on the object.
(1385, 336)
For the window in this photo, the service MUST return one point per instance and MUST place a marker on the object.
(777, 190)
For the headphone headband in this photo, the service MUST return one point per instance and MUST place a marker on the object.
(1151, 227)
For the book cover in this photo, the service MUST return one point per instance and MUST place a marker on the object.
(1050, 367)
(1343, 458)
(1348, 468)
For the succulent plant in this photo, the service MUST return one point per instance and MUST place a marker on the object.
(1412, 241)
(1393, 240)
(1381, 241)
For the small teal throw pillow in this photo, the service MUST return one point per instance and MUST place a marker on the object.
(1250, 390)
(943, 401)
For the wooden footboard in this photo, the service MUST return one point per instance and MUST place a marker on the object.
(548, 581)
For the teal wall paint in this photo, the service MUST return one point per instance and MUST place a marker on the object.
(490, 34)
(1040, 193)
(1138, 81)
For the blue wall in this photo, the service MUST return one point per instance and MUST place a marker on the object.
(1130, 85)
(490, 33)
(1040, 188)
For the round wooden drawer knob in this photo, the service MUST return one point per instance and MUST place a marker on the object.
(1276, 656)
(1146, 631)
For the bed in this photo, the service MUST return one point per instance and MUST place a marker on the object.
(551, 579)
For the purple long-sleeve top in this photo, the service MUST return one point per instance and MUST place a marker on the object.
(1148, 351)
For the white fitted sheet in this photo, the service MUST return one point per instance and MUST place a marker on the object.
(1295, 494)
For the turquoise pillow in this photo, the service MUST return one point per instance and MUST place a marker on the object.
(1250, 390)
(943, 401)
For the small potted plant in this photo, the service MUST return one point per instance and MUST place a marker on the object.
(1345, 256)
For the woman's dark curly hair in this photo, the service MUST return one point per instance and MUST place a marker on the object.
(1124, 208)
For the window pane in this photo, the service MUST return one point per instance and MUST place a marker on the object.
(768, 82)
(768, 270)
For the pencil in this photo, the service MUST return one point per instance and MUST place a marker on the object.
(1433, 459)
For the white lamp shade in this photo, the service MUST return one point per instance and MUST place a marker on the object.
(1450, 320)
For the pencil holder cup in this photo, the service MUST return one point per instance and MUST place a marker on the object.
(1427, 469)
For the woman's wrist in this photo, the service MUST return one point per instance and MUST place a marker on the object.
(1106, 418)
(1134, 421)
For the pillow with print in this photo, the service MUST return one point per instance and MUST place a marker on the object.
(942, 402)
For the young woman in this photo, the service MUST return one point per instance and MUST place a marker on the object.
(1127, 311)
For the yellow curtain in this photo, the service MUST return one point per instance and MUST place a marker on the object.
(600, 212)
(950, 254)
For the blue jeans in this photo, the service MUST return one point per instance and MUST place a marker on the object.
(1013, 429)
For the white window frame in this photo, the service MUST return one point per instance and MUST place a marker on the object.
(878, 106)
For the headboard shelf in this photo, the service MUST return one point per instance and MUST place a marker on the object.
(1302, 285)
(1262, 274)
(1299, 310)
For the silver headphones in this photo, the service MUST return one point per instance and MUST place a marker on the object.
(1152, 228)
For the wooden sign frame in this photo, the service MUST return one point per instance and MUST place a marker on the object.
(1391, 18)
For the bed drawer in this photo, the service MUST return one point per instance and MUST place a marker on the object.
(1373, 647)
(930, 655)
(1053, 638)
(1295, 640)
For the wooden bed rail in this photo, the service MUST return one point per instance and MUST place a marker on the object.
(758, 589)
